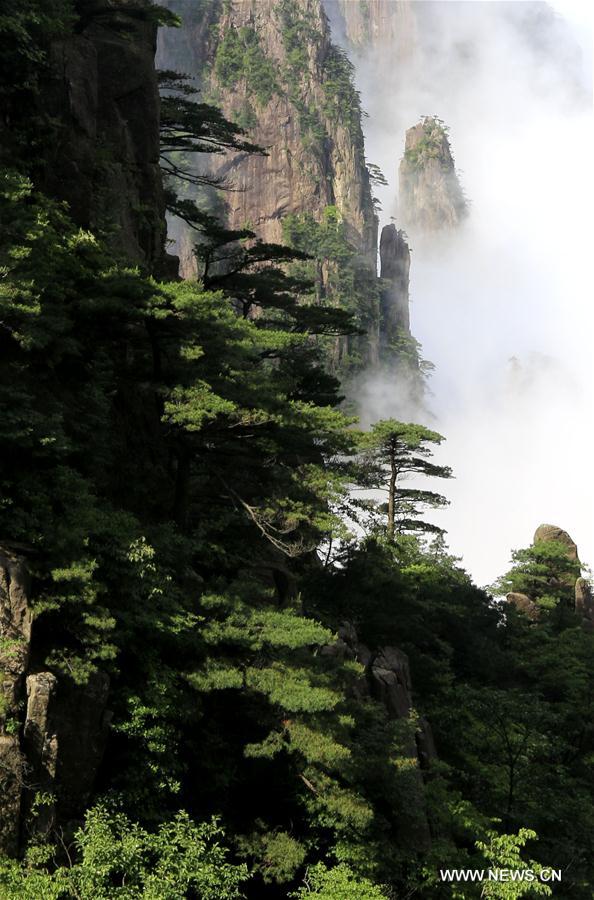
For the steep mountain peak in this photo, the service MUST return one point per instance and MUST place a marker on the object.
(431, 197)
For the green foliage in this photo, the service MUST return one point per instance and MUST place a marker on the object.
(503, 851)
(408, 353)
(279, 856)
(188, 128)
(114, 857)
(240, 57)
(173, 457)
(339, 278)
(392, 452)
(297, 34)
(544, 572)
(338, 883)
(342, 101)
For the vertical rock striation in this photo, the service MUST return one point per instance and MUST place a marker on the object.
(272, 67)
(394, 272)
(431, 197)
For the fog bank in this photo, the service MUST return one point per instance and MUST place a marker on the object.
(503, 307)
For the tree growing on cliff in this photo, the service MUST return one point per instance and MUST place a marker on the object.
(393, 452)
(189, 127)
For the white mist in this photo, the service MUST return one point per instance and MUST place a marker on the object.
(503, 307)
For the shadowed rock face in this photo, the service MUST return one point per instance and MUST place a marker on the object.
(15, 637)
(103, 92)
(394, 272)
(431, 198)
(52, 732)
(386, 679)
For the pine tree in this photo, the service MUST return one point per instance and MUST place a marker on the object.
(392, 452)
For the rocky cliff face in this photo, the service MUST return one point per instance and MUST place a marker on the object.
(272, 67)
(430, 195)
(389, 27)
(52, 733)
(103, 93)
(394, 272)
(15, 637)
(103, 96)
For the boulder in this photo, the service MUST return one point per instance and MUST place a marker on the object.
(524, 604)
(554, 533)
(390, 681)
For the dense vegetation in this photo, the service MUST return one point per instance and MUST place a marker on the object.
(176, 462)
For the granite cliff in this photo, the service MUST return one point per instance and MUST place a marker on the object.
(103, 94)
(430, 197)
(273, 68)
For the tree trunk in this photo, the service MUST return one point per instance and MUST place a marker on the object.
(392, 496)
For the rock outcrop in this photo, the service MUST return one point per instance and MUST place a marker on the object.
(40, 755)
(430, 195)
(583, 596)
(524, 604)
(390, 681)
(52, 731)
(387, 680)
(584, 601)
(102, 91)
(15, 639)
(394, 296)
(554, 533)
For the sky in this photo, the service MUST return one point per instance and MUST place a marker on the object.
(503, 306)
